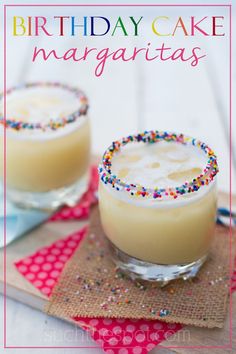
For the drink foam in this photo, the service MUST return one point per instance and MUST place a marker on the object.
(162, 164)
(41, 105)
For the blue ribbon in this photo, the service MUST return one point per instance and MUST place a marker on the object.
(19, 221)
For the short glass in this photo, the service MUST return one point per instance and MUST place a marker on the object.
(47, 144)
(157, 202)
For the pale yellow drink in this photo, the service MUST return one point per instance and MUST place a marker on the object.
(163, 231)
(49, 159)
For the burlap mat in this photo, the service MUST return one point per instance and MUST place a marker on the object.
(90, 286)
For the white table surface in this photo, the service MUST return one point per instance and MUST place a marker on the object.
(127, 98)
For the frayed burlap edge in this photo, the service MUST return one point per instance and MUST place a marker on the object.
(90, 286)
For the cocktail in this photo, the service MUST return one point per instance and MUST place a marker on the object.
(157, 201)
(47, 146)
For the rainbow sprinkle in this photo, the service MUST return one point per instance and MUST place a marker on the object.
(150, 137)
(54, 123)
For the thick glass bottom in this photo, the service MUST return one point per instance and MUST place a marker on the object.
(49, 200)
(138, 269)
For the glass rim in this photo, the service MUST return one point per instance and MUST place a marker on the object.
(206, 176)
(53, 123)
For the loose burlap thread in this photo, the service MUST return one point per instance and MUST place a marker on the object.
(90, 286)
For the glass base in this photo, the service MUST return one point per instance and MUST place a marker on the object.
(137, 269)
(49, 200)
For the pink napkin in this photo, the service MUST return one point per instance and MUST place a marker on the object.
(81, 210)
(115, 336)
(43, 268)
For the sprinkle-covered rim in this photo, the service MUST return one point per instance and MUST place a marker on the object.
(54, 123)
(150, 137)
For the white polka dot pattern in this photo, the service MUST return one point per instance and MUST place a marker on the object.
(44, 266)
(115, 336)
(127, 336)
